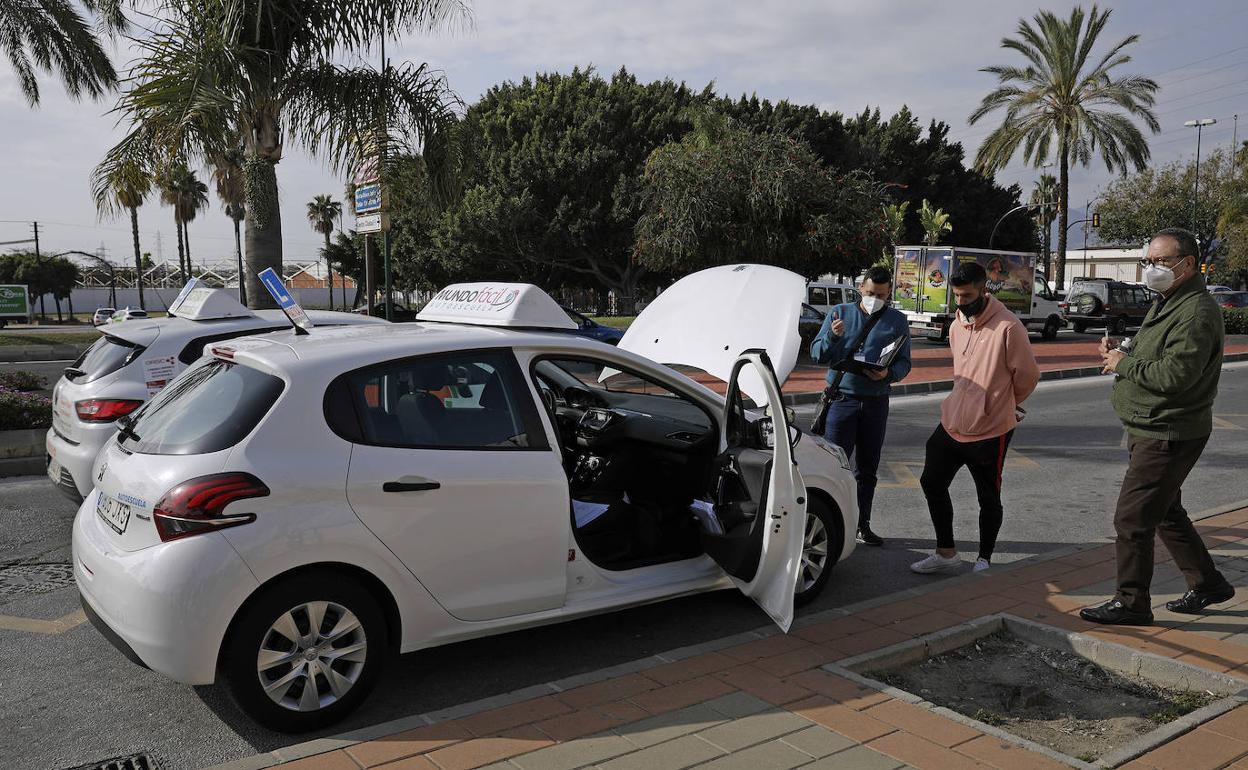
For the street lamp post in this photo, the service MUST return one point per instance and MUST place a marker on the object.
(1200, 126)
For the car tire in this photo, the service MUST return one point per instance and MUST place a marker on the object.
(1050, 330)
(1118, 326)
(293, 602)
(1079, 326)
(825, 523)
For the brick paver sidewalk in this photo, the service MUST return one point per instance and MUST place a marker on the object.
(765, 700)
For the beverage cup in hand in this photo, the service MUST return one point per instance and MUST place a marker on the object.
(838, 326)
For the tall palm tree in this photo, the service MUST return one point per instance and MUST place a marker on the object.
(227, 176)
(1043, 197)
(53, 36)
(217, 72)
(181, 189)
(122, 184)
(1066, 98)
(935, 223)
(322, 211)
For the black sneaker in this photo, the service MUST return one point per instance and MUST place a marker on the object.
(1195, 601)
(1115, 613)
(867, 537)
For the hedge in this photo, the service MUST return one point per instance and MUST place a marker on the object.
(22, 380)
(1235, 319)
(19, 410)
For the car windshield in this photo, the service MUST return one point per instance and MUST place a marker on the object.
(207, 409)
(107, 355)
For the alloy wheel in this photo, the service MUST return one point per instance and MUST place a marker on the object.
(814, 552)
(311, 656)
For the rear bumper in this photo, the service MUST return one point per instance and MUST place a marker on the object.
(76, 459)
(165, 607)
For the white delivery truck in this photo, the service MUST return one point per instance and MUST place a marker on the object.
(921, 288)
(14, 304)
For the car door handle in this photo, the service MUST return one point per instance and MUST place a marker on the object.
(410, 484)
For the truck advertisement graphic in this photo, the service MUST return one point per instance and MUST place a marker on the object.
(14, 303)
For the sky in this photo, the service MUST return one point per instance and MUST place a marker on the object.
(842, 55)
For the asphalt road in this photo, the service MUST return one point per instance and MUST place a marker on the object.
(68, 698)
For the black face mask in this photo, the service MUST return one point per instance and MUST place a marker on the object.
(972, 309)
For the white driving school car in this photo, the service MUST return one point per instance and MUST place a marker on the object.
(294, 508)
(132, 361)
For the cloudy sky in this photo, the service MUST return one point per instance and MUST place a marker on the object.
(842, 55)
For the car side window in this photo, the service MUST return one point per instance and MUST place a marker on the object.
(818, 295)
(194, 349)
(468, 400)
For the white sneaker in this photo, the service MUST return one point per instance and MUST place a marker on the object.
(981, 564)
(936, 563)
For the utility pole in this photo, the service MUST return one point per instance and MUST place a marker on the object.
(36, 226)
(1234, 142)
(1200, 126)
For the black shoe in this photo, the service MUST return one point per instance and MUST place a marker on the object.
(867, 537)
(1115, 613)
(1195, 600)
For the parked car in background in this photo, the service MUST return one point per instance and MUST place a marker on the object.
(133, 361)
(1217, 288)
(102, 315)
(127, 314)
(823, 295)
(1231, 299)
(398, 313)
(1103, 303)
(808, 325)
(588, 327)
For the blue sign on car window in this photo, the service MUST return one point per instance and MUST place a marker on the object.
(273, 282)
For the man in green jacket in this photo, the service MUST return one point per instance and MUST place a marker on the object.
(1165, 382)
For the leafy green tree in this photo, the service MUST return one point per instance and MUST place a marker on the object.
(894, 225)
(55, 36)
(347, 253)
(1134, 207)
(730, 194)
(322, 211)
(935, 223)
(1066, 97)
(122, 183)
(261, 73)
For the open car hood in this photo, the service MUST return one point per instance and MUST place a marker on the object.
(707, 319)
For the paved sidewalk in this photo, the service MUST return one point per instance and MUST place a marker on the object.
(768, 700)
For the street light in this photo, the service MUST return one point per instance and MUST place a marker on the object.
(1200, 126)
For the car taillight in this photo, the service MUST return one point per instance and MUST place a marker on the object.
(105, 409)
(196, 506)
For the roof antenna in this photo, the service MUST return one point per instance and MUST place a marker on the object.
(294, 313)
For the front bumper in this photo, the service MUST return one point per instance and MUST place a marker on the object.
(166, 607)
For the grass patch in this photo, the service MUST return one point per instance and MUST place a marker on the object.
(1182, 705)
(616, 321)
(48, 338)
(989, 717)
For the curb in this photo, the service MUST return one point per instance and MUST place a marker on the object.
(16, 353)
(373, 732)
(938, 386)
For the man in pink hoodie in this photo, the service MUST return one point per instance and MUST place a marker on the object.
(994, 371)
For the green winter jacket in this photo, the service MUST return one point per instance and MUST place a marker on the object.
(1166, 384)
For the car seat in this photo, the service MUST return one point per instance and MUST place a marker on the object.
(421, 413)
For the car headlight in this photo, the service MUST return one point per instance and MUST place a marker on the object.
(832, 449)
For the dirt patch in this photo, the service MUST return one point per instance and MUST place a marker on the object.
(1055, 698)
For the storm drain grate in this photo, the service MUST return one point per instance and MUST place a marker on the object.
(132, 762)
(23, 579)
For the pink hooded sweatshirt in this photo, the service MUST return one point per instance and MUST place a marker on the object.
(994, 370)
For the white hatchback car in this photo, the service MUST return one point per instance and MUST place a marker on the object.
(293, 509)
(102, 315)
(131, 362)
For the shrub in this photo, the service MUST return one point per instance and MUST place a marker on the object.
(22, 380)
(1235, 320)
(19, 410)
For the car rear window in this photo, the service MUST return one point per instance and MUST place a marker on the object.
(207, 409)
(105, 356)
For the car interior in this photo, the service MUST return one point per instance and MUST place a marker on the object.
(647, 483)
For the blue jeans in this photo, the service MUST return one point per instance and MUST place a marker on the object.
(856, 424)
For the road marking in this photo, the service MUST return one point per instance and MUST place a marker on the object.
(1221, 424)
(36, 626)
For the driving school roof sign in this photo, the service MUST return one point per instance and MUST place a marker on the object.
(517, 305)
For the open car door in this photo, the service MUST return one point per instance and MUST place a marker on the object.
(759, 497)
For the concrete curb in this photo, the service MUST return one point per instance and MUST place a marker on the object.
(17, 353)
(939, 386)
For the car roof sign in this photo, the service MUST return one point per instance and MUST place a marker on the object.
(490, 303)
(294, 312)
(200, 303)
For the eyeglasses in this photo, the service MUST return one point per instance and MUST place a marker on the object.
(1164, 261)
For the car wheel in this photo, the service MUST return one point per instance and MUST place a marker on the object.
(306, 652)
(1079, 326)
(825, 536)
(1118, 325)
(1051, 328)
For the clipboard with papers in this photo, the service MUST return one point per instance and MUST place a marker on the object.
(888, 354)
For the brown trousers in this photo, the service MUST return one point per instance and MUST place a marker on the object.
(1150, 503)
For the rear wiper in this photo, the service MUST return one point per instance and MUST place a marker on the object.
(125, 429)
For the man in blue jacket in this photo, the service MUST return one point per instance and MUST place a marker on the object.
(858, 416)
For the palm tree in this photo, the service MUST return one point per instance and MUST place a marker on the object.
(1058, 99)
(935, 223)
(122, 183)
(1043, 197)
(52, 36)
(322, 211)
(895, 223)
(227, 176)
(218, 73)
(181, 189)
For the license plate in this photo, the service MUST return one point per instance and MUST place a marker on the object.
(115, 513)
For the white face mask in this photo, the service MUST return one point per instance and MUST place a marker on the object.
(873, 304)
(1159, 278)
